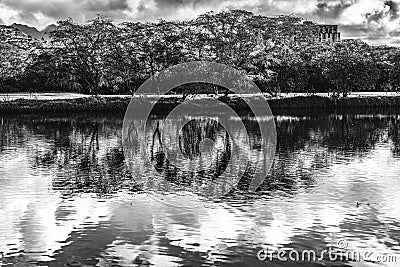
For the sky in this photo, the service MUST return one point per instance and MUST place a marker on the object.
(375, 21)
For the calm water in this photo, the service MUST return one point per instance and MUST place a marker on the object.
(67, 199)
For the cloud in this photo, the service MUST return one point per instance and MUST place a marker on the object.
(177, 3)
(395, 33)
(393, 9)
(384, 21)
(389, 10)
(328, 9)
(34, 12)
(105, 6)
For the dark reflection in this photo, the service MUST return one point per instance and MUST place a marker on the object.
(193, 134)
(84, 153)
(86, 156)
(69, 156)
(190, 139)
(352, 134)
(394, 134)
(318, 141)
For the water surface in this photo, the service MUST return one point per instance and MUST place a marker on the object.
(67, 198)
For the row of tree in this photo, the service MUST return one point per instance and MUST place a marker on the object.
(281, 54)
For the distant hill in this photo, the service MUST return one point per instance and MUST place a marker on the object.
(32, 31)
(48, 29)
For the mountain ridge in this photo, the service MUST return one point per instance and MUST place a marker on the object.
(34, 32)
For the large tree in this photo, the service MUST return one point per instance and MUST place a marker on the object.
(85, 51)
(350, 67)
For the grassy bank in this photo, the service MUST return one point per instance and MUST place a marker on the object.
(89, 104)
(317, 102)
(98, 104)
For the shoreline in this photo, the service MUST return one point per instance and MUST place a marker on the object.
(119, 104)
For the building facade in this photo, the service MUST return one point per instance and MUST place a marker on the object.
(309, 32)
(328, 33)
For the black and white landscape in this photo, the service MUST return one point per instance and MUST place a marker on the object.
(103, 164)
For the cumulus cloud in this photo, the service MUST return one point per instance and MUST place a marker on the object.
(332, 9)
(383, 21)
(35, 11)
(389, 12)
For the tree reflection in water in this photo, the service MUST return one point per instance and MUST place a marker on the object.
(85, 153)
(327, 155)
(190, 139)
(394, 134)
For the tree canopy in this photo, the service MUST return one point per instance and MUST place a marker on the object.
(280, 54)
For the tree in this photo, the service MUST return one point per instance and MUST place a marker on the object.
(280, 54)
(395, 72)
(12, 63)
(84, 51)
(350, 67)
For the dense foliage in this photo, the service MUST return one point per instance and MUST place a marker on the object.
(281, 54)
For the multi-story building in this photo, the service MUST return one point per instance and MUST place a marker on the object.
(328, 33)
(309, 32)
